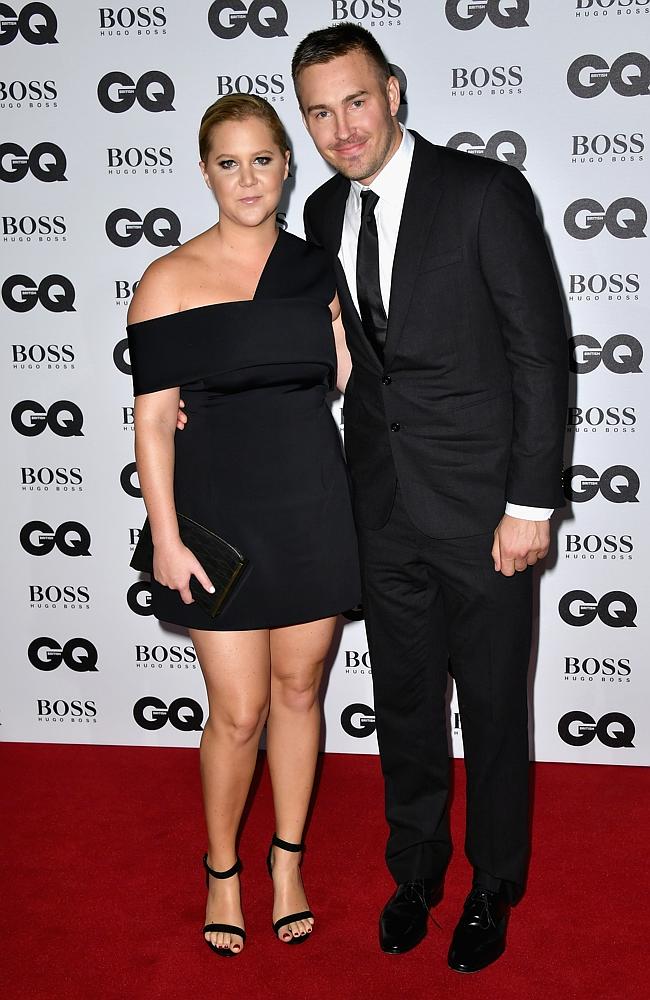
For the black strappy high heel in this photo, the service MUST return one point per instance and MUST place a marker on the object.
(222, 928)
(284, 845)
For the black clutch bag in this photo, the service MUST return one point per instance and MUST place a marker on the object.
(223, 563)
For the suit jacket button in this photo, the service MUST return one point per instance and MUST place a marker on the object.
(395, 427)
(387, 380)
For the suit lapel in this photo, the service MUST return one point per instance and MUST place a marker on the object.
(420, 205)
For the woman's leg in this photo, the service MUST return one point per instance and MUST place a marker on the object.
(235, 666)
(297, 656)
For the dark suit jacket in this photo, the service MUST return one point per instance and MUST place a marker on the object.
(468, 408)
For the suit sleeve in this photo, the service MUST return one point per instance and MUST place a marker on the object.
(307, 217)
(517, 268)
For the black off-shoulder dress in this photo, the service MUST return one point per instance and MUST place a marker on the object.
(260, 460)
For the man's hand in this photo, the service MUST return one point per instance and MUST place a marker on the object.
(519, 544)
(181, 416)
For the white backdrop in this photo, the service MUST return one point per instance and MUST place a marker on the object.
(98, 176)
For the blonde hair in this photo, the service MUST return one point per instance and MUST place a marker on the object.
(239, 107)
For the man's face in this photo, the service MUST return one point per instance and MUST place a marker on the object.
(351, 114)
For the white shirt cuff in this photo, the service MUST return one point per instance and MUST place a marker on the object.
(529, 513)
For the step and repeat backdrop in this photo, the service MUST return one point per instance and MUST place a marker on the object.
(99, 108)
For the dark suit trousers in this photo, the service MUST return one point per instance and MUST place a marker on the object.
(429, 602)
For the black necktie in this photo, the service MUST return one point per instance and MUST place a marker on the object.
(371, 306)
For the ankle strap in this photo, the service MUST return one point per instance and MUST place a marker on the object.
(235, 870)
(285, 845)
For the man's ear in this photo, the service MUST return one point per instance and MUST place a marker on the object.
(393, 94)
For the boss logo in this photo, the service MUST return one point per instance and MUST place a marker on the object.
(614, 730)
(132, 17)
(603, 7)
(17, 91)
(600, 145)
(154, 91)
(153, 160)
(482, 77)
(128, 418)
(36, 22)
(53, 596)
(20, 230)
(615, 609)
(138, 597)
(599, 284)
(134, 535)
(621, 354)
(70, 538)
(596, 218)
(358, 720)
(129, 481)
(594, 416)
(64, 480)
(618, 484)
(46, 162)
(73, 711)
(184, 714)
(63, 418)
(629, 75)
(157, 655)
(121, 357)
(360, 10)
(588, 668)
(36, 355)
(588, 546)
(79, 655)
(507, 146)
(468, 14)
(356, 660)
(161, 227)
(262, 85)
(56, 293)
(124, 291)
(265, 18)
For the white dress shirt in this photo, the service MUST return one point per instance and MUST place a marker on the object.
(390, 185)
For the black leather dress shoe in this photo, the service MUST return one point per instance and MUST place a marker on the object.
(404, 919)
(480, 936)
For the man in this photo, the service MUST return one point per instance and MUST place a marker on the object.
(454, 418)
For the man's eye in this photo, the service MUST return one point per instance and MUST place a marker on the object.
(357, 104)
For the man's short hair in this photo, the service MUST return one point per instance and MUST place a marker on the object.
(329, 43)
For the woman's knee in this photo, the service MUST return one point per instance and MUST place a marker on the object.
(297, 690)
(241, 724)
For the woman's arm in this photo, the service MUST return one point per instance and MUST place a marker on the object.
(343, 359)
(155, 425)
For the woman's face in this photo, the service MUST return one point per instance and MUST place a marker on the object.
(245, 170)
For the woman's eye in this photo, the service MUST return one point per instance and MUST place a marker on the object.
(226, 164)
(263, 160)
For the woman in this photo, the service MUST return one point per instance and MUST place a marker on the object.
(246, 320)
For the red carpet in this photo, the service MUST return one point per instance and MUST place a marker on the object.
(103, 894)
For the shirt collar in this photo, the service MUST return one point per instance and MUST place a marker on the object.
(390, 183)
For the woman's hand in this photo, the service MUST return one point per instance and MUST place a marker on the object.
(174, 564)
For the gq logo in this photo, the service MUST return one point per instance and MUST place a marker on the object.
(121, 357)
(36, 22)
(619, 77)
(70, 538)
(506, 146)
(118, 92)
(625, 362)
(132, 228)
(64, 418)
(468, 14)
(579, 729)
(46, 162)
(129, 481)
(138, 598)
(78, 654)
(55, 293)
(597, 218)
(358, 720)
(265, 18)
(616, 609)
(185, 714)
(618, 484)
